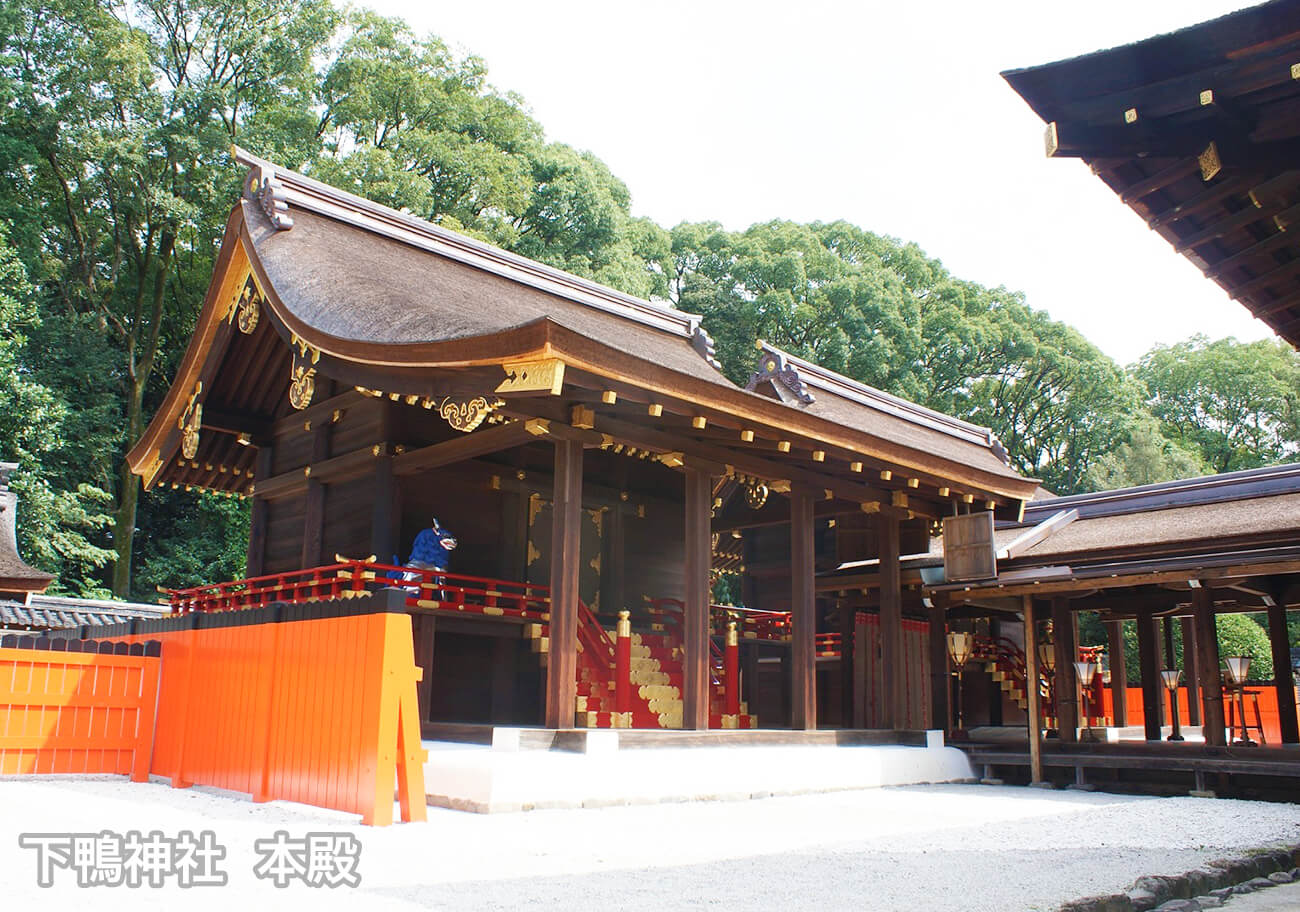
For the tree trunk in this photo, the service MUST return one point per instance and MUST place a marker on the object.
(128, 497)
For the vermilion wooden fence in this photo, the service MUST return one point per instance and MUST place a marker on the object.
(1263, 693)
(77, 707)
(313, 703)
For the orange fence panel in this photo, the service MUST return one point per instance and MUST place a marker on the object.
(312, 702)
(1264, 697)
(70, 708)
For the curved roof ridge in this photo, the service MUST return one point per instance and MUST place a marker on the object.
(818, 377)
(275, 188)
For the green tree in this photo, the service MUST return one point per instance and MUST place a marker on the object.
(115, 121)
(1238, 634)
(56, 520)
(408, 124)
(1147, 457)
(883, 313)
(1236, 404)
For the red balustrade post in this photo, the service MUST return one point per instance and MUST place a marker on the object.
(623, 671)
(731, 676)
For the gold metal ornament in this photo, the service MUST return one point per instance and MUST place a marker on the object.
(191, 422)
(249, 308)
(302, 374)
(466, 414)
(756, 495)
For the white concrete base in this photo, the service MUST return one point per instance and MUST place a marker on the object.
(504, 777)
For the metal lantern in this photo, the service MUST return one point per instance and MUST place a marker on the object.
(960, 646)
(1238, 668)
(1086, 672)
(1047, 657)
(1171, 677)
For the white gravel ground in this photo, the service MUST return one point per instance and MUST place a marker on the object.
(937, 848)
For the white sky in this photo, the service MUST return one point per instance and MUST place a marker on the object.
(890, 115)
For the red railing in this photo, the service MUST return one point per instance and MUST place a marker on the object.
(427, 589)
(751, 623)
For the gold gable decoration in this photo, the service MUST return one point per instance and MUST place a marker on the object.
(302, 374)
(191, 422)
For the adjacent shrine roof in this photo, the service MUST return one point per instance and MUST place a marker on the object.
(1198, 132)
(368, 294)
(15, 574)
(49, 612)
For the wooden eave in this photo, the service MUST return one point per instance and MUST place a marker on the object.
(1198, 132)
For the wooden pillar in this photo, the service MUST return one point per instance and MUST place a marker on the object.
(695, 615)
(1065, 650)
(504, 651)
(424, 625)
(384, 513)
(846, 614)
(803, 611)
(1191, 672)
(613, 575)
(1207, 650)
(1283, 679)
(860, 670)
(313, 522)
(260, 515)
(566, 538)
(893, 679)
(1149, 663)
(941, 680)
(1118, 672)
(1032, 691)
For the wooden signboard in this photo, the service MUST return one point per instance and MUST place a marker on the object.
(968, 549)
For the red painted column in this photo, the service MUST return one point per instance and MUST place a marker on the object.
(623, 671)
(731, 671)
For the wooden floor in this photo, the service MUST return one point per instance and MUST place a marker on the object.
(1159, 767)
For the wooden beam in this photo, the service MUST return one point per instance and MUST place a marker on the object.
(1065, 652)
(1207, 646)
(893, 697)
(257, 429)
(566, 532)
(1035, 698)
(458, 449)
(696, 686)
(1118, 672)
(803, 609)
(1283, 678)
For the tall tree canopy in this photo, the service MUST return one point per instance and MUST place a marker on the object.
(1236, 404)
(882, 312)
